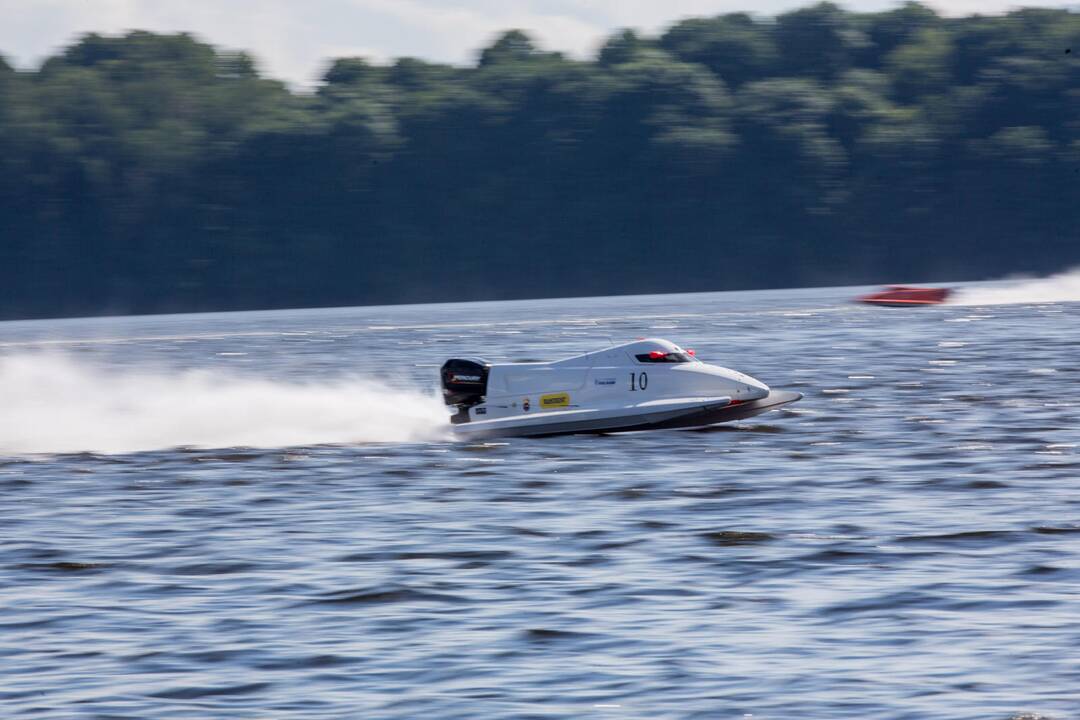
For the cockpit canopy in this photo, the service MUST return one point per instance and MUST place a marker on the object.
(659, 356)
(659, 351)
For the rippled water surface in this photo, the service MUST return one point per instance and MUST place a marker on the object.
(902, 543)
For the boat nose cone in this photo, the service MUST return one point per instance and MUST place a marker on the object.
(754, 389)
(748, 388)
(724, 381)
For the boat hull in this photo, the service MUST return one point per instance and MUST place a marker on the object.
(654, 417)
(907, 297)
(900, 303)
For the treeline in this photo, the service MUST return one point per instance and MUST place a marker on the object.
(151, 173)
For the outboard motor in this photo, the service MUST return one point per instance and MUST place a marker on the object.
(464, 384)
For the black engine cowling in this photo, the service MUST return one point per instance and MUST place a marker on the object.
(464, 381)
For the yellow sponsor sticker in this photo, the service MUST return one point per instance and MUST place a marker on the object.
(555, 400)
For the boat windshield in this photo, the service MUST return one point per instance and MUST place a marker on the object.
(657, 356)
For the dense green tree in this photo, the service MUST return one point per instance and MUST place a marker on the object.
(150, 172)
(921, 66)
(623, 47)
(889, 30)
(735, 47)
(512, 46)
(820, 41)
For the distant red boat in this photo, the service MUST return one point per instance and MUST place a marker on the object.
(904, 296)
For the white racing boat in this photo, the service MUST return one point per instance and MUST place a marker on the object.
(649, 384)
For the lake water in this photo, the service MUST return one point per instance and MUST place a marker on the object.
(258, 515)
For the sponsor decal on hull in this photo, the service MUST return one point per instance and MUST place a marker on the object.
(555, 400)
(604, 381)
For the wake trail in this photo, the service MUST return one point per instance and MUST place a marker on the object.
(51, 403)
(1063, 287)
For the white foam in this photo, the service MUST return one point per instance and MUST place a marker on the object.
(1063, 287)
(53, 403)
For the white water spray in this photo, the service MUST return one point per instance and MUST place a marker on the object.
(1063, 287)
(55, 404)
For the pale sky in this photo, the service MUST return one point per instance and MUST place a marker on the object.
(292, 39)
